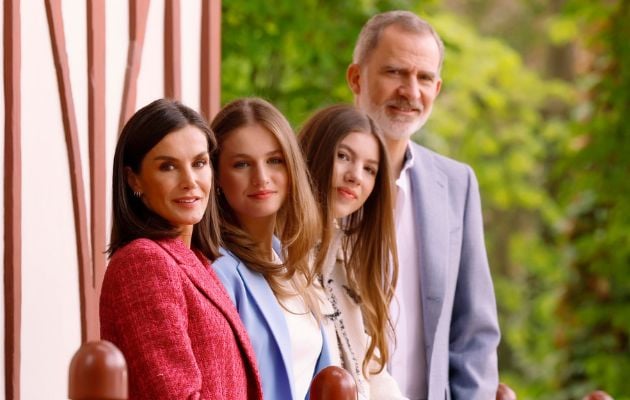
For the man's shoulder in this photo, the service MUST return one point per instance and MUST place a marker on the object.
(424, 158)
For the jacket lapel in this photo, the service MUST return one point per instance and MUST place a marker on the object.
(201, 275)
(265, 300)
(430, 193)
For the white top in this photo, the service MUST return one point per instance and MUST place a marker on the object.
(306, 341)
(408, 362)
(349, 330)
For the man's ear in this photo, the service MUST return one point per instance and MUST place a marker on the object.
(132, 180)
(438, 87)
(353, 75)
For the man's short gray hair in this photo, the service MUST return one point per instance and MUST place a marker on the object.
(405, 20)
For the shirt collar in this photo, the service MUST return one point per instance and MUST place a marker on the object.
(408, 163)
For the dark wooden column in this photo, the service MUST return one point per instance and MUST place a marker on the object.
(172, 50)
(97, 134)
(12, 199)
(89, 311)
(210, 58)
(138, 13)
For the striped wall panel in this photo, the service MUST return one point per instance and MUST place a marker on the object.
(89, 219)
(12, 199)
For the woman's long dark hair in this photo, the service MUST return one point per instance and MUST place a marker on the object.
(131, 218)
(369, 246)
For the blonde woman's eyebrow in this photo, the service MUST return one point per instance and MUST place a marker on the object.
(244, 155)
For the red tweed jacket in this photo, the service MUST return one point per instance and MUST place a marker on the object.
(181, 335)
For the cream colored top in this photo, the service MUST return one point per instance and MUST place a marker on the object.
(350, 331)
(306, 339)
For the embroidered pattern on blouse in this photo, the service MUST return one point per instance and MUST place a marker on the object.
(342, 334)
(352, 294)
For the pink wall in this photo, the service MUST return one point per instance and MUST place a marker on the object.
(73, 72)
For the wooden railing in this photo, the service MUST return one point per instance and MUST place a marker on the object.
(333, 383)
(98, 371)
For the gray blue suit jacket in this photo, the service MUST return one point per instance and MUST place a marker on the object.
(461, 328)
(264, 320)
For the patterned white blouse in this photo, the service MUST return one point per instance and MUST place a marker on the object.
(349, 330)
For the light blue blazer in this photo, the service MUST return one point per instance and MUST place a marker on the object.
(461, 328)
(264, 320)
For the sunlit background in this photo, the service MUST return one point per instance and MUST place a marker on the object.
(535, 97)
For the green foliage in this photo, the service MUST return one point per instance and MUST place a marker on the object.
(294, 58)
(554, 192)
(294, 54)
(596, 304)
(495, 114)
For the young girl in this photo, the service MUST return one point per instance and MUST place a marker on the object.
(357, 256)
(269, 224)
(161, 303)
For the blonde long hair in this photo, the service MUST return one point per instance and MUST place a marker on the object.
(297, 223)
(369, 247)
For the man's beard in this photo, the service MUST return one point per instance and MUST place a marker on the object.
(393, 127)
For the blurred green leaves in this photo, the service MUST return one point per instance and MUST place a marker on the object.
(535, 97)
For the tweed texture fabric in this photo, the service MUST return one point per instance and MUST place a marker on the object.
(163, 306)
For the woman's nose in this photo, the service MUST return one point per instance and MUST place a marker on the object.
(261, 176)
(353, 175)
(188, 178)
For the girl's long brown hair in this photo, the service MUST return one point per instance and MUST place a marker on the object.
(297, 223)
(370, 254)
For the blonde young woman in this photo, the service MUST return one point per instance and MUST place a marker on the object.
(269, 225)
(357, 256)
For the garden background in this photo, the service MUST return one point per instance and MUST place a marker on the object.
(535, 96)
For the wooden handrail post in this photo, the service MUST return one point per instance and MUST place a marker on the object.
(333, 383)
(598, 395)
(98, 371)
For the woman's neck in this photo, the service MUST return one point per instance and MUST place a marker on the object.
(261, 231)
(185, 235)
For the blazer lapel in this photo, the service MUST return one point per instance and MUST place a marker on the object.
(200, 273)
(430, 193)
(265, 300)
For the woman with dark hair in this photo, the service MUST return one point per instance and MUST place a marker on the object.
(357, 258)
(269, 225)
(161, 303)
